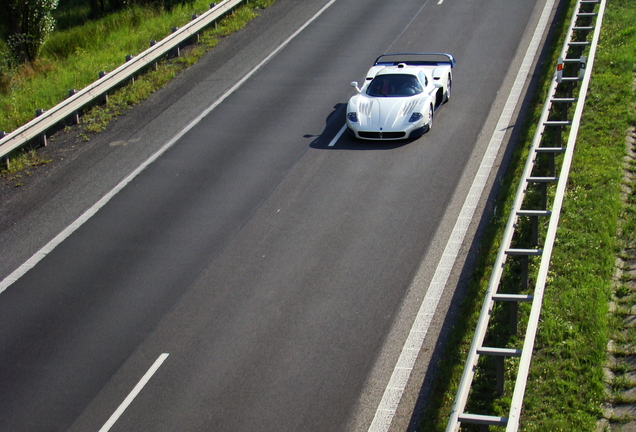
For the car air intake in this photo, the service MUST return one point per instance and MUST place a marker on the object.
(382, 135)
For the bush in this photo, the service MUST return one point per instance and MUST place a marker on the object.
(27, 25)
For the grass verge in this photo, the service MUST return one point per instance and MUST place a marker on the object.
(72, 58)
(21, 166)
(566, 385)
(98, 117)
(17, 105)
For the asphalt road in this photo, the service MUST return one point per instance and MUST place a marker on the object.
(270, 262)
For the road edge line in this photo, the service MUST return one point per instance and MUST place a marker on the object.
(396, 386)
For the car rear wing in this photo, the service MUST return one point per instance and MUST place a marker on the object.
(415, 59)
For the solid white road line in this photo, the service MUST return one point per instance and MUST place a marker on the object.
(133, 394)
(39, 255)
(337, 137)
(402, 370)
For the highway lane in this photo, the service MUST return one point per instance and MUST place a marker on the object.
(268, 265)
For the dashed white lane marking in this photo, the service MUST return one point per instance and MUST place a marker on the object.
(133, 394)
(402, 370)
(48, 248)
(337, 137)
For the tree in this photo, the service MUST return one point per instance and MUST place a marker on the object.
(28, 24)
(100, 7)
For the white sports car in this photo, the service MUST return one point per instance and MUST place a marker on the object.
(400, 95)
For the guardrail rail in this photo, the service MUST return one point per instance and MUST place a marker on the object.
(69, 108)
(561, 116)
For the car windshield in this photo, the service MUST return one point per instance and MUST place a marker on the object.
(394, 85)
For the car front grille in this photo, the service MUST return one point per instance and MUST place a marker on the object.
(382, 135)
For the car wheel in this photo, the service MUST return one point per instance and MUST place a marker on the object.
(449, 86)
(429, 123)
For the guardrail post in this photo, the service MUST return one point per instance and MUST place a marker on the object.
(155, 64)
(543, 182)
(565, 106)
(195, 38)
(559, 125)
(104, 96)
(514, 318)
(500, 354)
(129, 57)
(534, 219)
(212, 6)
(582, 63)
(177, 50)
(7, 163)
(42, 138)
(551, 152)
(74, 119)
(524, 254)
(513, 300)
(582, 66)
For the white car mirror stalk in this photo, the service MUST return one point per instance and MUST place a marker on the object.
(354, 84)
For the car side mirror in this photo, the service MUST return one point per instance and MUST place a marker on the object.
(354, 84)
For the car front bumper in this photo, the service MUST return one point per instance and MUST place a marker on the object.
(413, 131)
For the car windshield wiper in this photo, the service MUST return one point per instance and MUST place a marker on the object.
(379, 91)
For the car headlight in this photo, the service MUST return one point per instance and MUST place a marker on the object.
(353, 117)
(415, 117)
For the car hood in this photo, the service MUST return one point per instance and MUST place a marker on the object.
(383, 113)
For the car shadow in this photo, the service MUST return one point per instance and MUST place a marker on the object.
(334, 124)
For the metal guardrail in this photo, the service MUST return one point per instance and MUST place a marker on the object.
(69, 107)
(556, 119)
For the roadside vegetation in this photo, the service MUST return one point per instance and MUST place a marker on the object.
(566, 388)
(87, 42)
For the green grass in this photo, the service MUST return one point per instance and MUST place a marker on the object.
(21, 166)
(566, 387)
(566, 383)
(73, 57)
(98, 117)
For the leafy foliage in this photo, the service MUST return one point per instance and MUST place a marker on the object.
(102, 6)
(28, 24)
